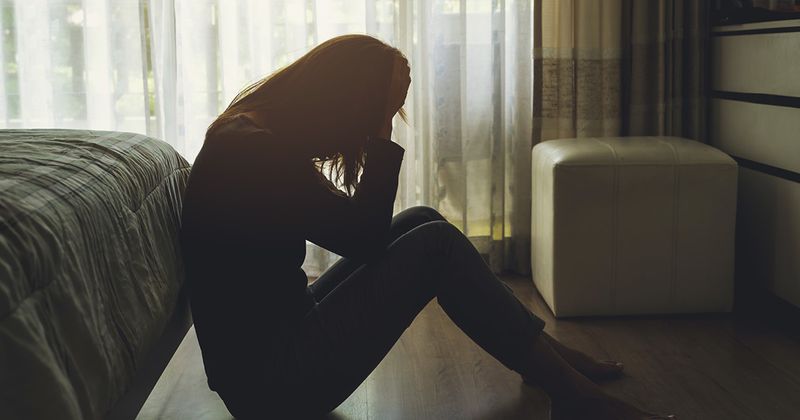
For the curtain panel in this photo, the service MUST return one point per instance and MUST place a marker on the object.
(166, 68)
(620, 67)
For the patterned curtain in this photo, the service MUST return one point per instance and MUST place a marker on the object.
(664, 76)
(619, 67)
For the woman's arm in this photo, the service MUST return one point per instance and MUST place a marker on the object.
(356, 227)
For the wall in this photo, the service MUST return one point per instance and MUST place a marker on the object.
(755, 117)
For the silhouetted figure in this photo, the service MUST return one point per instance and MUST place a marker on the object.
(273, 347)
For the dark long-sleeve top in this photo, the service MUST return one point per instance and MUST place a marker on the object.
(249, 206)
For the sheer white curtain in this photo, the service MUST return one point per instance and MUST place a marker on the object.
(168, 67)
(73, 64)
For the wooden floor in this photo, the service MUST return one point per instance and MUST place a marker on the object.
(698, 367)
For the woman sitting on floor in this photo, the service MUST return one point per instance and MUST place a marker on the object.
(273, 346)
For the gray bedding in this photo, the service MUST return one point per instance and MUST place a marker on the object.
(90, 267)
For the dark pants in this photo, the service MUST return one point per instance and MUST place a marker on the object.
(363, 309)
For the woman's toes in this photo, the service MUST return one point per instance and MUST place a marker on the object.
(594, 370)
(606, 369)
(597, 370)
(588, 365)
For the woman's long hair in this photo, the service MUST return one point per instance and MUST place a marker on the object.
(337, 93)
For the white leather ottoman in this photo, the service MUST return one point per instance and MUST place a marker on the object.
(633, 225)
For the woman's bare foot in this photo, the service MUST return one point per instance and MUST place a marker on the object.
(599, 407)
(572, 394)
(596, 370)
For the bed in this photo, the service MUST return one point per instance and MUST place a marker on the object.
(91, 301)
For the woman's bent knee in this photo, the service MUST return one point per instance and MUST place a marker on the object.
(422, 212)
(412, 217)
(435, 229)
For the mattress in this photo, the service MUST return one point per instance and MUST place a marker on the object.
(90, 268)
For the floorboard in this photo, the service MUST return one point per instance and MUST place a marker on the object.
(698, 367)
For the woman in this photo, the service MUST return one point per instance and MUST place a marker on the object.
(273, 347)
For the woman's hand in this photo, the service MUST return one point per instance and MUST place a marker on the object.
(398, 90)
(385, 132)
